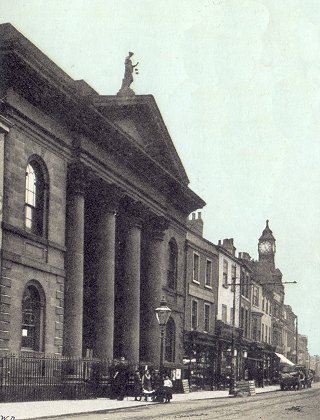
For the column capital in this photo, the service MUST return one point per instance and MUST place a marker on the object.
(133, 221)
(78, 177)
(133, 213)
(5, 124)
(109, 196)
(156, 226)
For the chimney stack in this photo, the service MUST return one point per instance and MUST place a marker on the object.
(195, 225)
(227, 244)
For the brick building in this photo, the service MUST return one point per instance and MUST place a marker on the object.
(200, 346)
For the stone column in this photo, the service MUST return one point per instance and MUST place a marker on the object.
(74, 261)
(155, 279)
(105, 273)
(131, 290)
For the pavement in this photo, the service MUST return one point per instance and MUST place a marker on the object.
(45, 409)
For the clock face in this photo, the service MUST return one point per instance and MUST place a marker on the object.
(265, 247)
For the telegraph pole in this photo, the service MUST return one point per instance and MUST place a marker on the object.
(234, 284)
(297, 339)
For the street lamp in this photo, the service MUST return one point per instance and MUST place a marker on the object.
(163, 314)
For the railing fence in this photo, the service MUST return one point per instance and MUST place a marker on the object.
(35, 378)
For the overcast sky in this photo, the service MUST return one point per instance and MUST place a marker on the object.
(238, 86)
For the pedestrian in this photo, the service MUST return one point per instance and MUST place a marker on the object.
(167, 388)
(137, 386)
(156, 380)
(120, 380)
(146, 384)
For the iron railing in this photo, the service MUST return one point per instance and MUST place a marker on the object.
(41, 377)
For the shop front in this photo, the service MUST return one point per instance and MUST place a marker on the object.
(261, 364)
(200, 360)
(225, 337)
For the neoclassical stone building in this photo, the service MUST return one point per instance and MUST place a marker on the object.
(93, 207)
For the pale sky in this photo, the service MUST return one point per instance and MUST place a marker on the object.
(238, 86)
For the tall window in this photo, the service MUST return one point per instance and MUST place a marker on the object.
(170, 341)
(173, 264)
(224, 313)
(194, 314)
(255, 330)
(32, 319)
(255, 296)
(231, 316)
(245, 280)
(234, 273)
(206, 317)
(196, 267)
(246, 323)
(208, 274)
(35, 200)
(225, 273)
(242, 324)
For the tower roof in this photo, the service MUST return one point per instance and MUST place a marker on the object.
(267, 233)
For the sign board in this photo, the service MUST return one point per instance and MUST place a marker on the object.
(185, 386)
(252, 388)
(246, 386)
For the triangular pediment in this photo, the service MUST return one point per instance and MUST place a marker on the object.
(139, 118)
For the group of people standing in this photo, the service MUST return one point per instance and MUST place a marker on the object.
(145, 385)
(154, 386)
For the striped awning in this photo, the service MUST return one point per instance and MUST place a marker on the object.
(283, 359)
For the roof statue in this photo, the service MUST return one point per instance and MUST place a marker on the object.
(129, 68)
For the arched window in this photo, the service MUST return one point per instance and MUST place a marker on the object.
(32, 319)
(35, 199)
(172, 264)
(170, 341)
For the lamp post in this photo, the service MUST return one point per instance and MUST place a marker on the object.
(163, 314)
(232, 382)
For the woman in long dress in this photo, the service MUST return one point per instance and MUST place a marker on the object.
(146, 384)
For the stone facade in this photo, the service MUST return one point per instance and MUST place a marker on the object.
(114, 197)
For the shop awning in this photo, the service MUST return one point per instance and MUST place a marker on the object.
(283, 359)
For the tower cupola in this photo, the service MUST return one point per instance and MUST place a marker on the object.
(267, 245)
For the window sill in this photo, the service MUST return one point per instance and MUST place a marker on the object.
(26, 351)
(225, 286)
(196, 282)
(208, 287)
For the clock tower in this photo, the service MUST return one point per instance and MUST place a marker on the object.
(267, 246)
